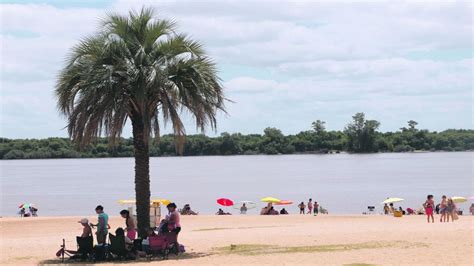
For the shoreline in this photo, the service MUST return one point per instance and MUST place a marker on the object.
(283, 239)
(238, 155)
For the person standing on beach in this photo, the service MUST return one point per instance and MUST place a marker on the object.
(442, 209)
(316, 208)
(102, 225)
(130, 224)
(302, 207)
(450, 210)
(310, 206)
(429, 205)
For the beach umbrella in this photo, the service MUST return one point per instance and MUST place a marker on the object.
(153, 201)
(249, 204)
(225, 202)
(163, 202)
(392, 200)
(459, 199)
(270, 199)
(284, 202)
(26, 205)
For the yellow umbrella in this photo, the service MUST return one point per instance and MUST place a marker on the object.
(123, 202)
(459, 199)
(392, 200)
(270, 199)
(153, 201)
(164, 202)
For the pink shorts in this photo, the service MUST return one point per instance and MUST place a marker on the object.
(429, 211)
(132, 234)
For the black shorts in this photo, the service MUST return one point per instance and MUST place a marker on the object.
(176, 230)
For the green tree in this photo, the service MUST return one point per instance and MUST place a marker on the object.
(137, 67)
(361, 134)
(319, 126)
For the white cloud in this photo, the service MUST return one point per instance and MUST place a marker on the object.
(326, 60)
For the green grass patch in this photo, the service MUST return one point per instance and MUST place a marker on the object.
(255, 249)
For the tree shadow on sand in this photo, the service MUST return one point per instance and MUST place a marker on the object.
(184, 256)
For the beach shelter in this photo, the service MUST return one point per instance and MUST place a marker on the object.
(270, 200)
(392, 200)
(284, 202)
(225, 202)
(155, 209)
(459, 199)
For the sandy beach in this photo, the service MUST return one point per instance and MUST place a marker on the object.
(276, 240)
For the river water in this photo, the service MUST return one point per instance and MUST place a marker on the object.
(341, 183)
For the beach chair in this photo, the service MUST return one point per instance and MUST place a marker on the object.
(159, 246)
(117, 248)
(371, 209)
(85, 247)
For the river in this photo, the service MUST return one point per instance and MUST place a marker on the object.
(341, 183)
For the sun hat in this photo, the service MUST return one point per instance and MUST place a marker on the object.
(84, 221)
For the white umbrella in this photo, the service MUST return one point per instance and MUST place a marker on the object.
(392, 200)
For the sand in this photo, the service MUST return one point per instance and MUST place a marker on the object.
(268, 240)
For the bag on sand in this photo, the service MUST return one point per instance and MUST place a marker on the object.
(455, 216)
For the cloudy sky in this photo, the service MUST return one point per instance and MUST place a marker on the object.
(284, 64)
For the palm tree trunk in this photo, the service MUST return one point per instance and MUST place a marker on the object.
(142, 175)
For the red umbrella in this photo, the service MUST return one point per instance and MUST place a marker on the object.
(225, 202)
(284, 202)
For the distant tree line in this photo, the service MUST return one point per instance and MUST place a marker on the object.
(359, 136)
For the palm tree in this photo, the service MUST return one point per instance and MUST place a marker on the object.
(138, 68)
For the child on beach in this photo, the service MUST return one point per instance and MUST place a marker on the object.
(130, 224)
(450, 210)
(302, 207)
(442, 209)
(310, 206)
(102, 225)
(429, 205)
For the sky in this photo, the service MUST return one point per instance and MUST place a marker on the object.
(283, 64)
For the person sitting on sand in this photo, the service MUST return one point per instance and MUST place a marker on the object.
(222, 212)
(272, 211)
(243, 209)
(187, 210)
(264, 211)
(120, 233)
(411, 211)
(392, 208)
(302, 207)
(283, 211)
(400, 209)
